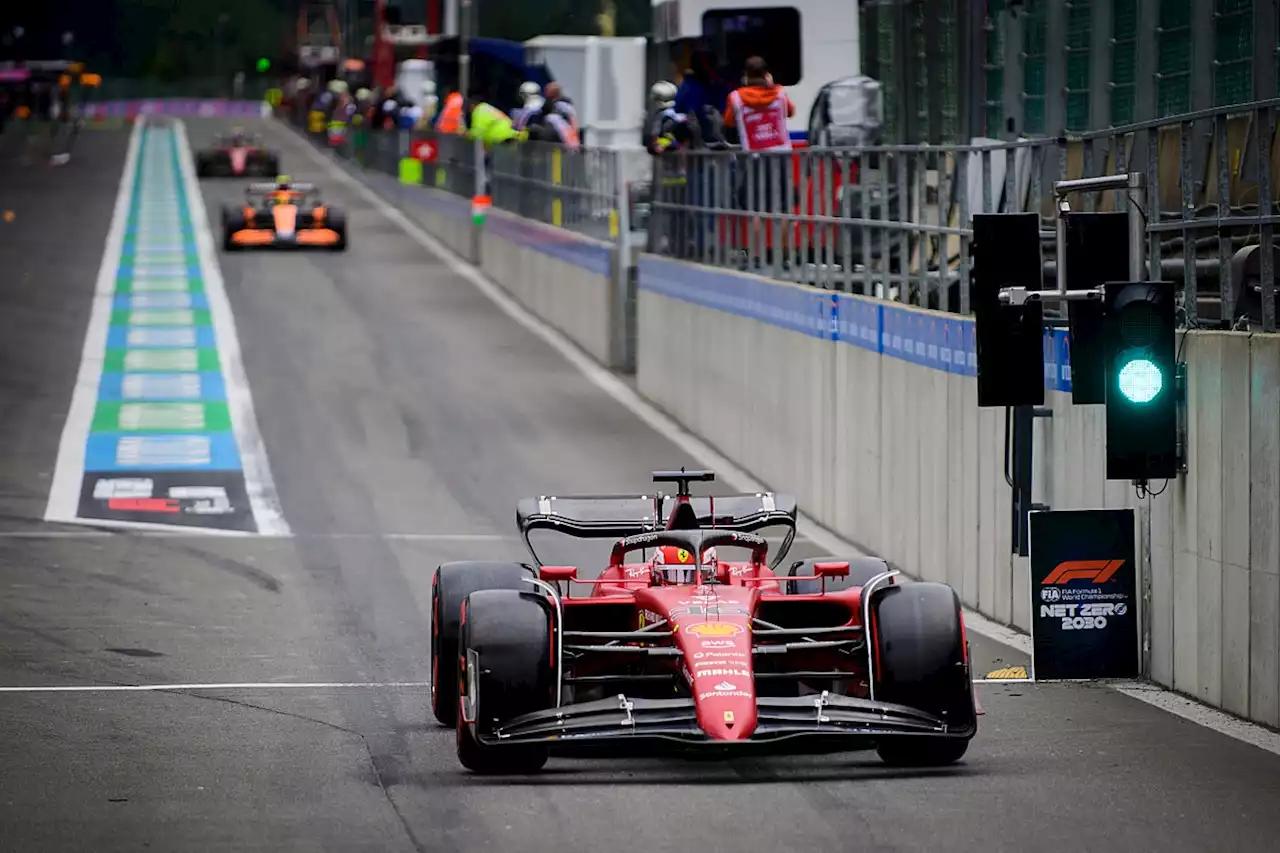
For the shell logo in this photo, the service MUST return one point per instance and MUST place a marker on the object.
(714, 629)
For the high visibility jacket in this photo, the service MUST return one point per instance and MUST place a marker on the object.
(760, 114)
(450, 120)
(491, 125)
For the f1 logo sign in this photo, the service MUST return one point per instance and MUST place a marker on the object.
(1097, 571)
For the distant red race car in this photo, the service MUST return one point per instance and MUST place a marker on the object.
(237, 154)
(686, 647)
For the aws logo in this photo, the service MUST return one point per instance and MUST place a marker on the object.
(1094, 571)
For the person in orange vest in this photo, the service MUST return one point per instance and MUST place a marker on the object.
(450, 120)
(759, 110)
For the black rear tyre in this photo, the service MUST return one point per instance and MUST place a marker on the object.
(452, 583)
(510, 635)
(232, 222)
(861, 570)
(922, 663)
(336, 219)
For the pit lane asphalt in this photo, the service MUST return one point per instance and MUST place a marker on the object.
(395, 399)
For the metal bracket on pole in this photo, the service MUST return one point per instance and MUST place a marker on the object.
(1135, 184)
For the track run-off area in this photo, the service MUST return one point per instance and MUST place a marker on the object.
(348, 421)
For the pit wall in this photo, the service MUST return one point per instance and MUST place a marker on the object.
(868, 413)
(569, 281)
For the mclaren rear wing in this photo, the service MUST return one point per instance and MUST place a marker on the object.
(617, 516)
(269, 186)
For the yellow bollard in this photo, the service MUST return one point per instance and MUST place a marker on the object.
(557, 206)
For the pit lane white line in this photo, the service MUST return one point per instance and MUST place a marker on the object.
(235, 685)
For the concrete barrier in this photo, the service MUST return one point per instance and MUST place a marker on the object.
(568, 280)
(868, 412)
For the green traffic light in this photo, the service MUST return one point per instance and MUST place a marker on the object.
(264, 64)
(1140, 380)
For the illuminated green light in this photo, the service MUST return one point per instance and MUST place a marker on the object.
(264, 64)
(1140, 380)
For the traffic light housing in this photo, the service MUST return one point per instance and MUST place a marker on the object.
(1097, 252)
(1009, 338)
(1142, 386)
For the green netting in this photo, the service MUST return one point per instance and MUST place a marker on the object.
(1033, 66)
(1078, 111)
(886, 53)
(1124, 19)
(995, 70)
(1033, 115)
(1078, 71)
(1233, 52)
(948, 75)
(1175, 13)
(1033, 77)
(1079, 24)
(1173, 63)
(1124, 64)
(1124, 60)
(1122, 105)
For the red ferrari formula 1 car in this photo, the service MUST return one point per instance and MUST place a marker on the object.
(686, 647)
(283, 215)
(237, 154)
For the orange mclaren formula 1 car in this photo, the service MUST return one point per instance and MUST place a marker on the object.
(283, 215)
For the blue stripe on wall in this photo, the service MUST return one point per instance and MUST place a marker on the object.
(927, 338)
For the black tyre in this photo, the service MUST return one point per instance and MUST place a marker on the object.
(922, 663)
(452, 583)
(861, 570)
(272, 165)
(510, 634)
(336, 219)
(232, 222)
(230, 213)
(202, 166)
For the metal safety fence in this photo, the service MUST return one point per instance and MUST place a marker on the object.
(893, 221)
(575, 190)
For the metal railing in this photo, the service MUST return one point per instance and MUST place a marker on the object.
(575, 190)
(895, 221)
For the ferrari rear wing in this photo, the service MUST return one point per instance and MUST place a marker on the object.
(619, 516)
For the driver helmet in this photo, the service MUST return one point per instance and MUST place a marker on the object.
(283, 182)
(675, 566)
